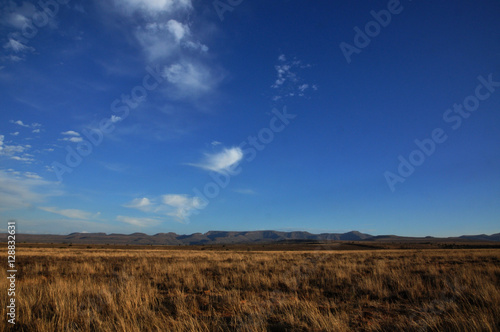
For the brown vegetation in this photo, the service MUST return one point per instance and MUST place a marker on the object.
(81, 289)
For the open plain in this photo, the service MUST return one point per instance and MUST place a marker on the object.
(154, 288)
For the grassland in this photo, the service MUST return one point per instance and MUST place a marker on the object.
(85, 289)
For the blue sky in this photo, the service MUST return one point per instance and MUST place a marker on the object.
(187, 116)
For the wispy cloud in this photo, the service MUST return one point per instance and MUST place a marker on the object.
(222, 161)
(157, 41)
(178, 206)
(288, 82)
(17, 47)
(20, 123)
(24, 190)
(73, 136)
(62, 225)
(70, 133)
(115, 118)
(137, 221)
(183, 205)
(245, 191)
(15, 152)
(144, 204)
(190, 79)
(15, 16)
(161, 40)
(72, 139)
(114, 167)
(164, 35)
(32, 175)
(153, 7)
(24, 158)
(70, 213)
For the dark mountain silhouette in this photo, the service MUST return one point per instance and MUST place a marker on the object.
(482, 237)
(232, 237)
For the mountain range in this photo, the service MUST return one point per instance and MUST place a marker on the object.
(232, 237)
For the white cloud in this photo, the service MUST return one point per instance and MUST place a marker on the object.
(70, 133)
(17, 47)
(165, 40)
(303, 87)
(15, 133)
(220, 162)
(141, 222)
(35, 131)
(69, 213)
(15, 16)
(284, 73)
(20, 123)
(215, 143)
(177, 29)
(162, 30)
(196, 46)
(17, 20)
(115, 118)
(13, 58)
(23, 158)
(159, 35)
(288, 82)
(153, 6)
(75, 137)
(18, 191)
(143, 204)
(32, 175)
(15, 152)
(183, 205)
(10, 149)
(156, 41)
(72, 139)
(179, 206)
(190, 79)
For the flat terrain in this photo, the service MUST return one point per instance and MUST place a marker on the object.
(89, 288)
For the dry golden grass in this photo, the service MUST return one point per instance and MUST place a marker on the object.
(149, 290)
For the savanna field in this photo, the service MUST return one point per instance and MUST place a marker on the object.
(89, 289)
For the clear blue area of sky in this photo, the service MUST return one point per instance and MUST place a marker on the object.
(334, 167)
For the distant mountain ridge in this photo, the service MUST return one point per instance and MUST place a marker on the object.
(231, 237)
